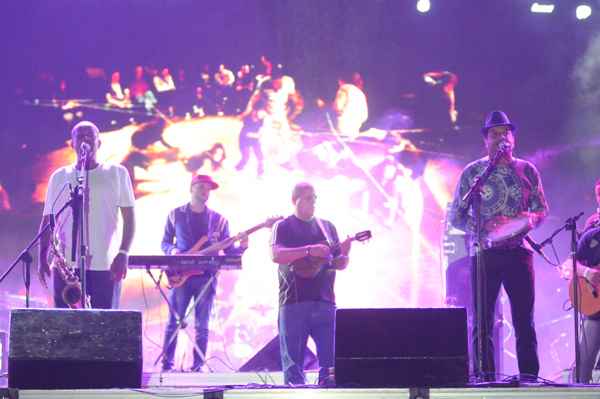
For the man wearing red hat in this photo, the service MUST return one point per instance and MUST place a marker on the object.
(511, 203)
(187, 226)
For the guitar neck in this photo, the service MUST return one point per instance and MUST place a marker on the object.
(229, 241)
(250, 230)
(337, 246)
(217, 246)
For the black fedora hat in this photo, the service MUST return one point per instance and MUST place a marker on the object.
(497, 118)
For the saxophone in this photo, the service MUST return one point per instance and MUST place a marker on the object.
(71, 293)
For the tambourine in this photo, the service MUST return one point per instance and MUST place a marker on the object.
(505, 231)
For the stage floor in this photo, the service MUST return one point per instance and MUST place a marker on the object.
(258, 392)
(268, 386)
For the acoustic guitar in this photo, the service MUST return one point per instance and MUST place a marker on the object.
(310, 266)
(588, 248)
(589, 296)
(178, 278)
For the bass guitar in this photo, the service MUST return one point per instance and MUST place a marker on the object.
(310, 266)
(177, 278)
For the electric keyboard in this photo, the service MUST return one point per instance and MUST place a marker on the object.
(185, 262)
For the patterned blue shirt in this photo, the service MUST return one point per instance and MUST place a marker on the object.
(510, 191)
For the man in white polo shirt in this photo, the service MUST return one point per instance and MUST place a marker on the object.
(109, 193)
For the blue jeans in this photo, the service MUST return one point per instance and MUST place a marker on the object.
(296, 322)
(180, 298)
(590, 346)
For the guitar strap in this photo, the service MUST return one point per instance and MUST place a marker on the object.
(209, 228)
(214, 230)
(325, 231)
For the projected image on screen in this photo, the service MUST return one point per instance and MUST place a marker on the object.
(252, 129)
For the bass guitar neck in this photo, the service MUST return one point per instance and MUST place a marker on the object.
(178, 278)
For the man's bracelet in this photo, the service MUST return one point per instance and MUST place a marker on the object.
(124, 252)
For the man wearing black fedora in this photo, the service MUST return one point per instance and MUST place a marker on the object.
(507, 205)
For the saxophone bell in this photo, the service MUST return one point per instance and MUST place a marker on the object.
(71, 293)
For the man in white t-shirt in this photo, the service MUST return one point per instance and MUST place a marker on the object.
(109, 193)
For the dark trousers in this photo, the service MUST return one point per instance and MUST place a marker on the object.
(180, 298)
(103, 291)
(296, 322)
(250, 143)
(513, 268)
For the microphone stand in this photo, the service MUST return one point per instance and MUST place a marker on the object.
(76, 202)
(80, 225)
(561, 228)
(473, 200)
(25, 255)
(571, 225)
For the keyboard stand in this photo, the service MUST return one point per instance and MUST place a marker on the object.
(181, 321)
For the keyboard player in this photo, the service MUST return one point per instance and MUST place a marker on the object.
(191, 228)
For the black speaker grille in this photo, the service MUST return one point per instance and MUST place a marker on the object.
(401, 347)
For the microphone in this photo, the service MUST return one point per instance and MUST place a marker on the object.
(84, 148)
(504, 146)
(535, 246)
(538, 248)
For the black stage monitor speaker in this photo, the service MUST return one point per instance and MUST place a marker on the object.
(401, 348)
(75, 349)
(269, 358)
